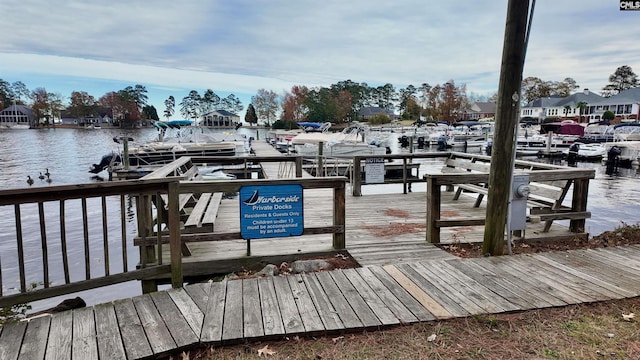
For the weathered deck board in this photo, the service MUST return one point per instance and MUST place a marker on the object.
(308, 312)
(60, 338)
(131, 329)
(85, 345)
(178, 326)
(154, 324)
(35, 339)
(212, 324)
(156, 330)
(271, 316)
(252, 321)
(110, 344)
(10, 339)
(187, 307)
(291, 320)
(233, 319)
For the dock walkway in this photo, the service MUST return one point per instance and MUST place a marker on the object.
(327, 302)
(403, 280)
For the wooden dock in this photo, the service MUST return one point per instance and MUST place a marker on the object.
(329, 302)
(402, 279)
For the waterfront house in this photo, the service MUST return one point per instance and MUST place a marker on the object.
(17, 116)
(220, 118)
(562, 108)
(480, 110)
(625, 105)
(368, 112)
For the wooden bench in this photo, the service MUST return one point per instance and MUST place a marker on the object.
(198, 212)
(545, 200)
(203, 214)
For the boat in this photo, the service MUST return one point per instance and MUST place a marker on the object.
(625, 146)
(348, 143)
(585, 151)
(600, 131)
(215, 174)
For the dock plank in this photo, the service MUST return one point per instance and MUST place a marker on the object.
(568, 293)
(400, 312)
(328, 314)
(483, 296)
(354, 299)
(251, 309)
(604, 276)
(271, 316)
(177, 325)
(11, 338)
(431, 291)
(85, 344)
(577, 283)
(382, 313)
(133, 336)
(60, 338)
(397, 284)
(308, 313)
(110, 346)
(199, 294)
(523, 279)
(442, 281)
(338, 300)
(192, 313)
(34, 343)
(212, 324)
(156, 330)
(512, 294)
(291, 320)
(233, 319)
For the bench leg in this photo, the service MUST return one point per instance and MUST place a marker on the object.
(478, 200)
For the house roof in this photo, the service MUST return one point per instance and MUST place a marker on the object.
(486, 107)
(544, 102)
(222, 112)
(373, 110)
(629, 96)
(573, 100)
(22, 109)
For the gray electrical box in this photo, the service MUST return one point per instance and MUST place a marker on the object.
(519, 195)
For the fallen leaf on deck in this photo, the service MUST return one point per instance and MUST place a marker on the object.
(431, 337)
(337, 338)
(184, 356)
(266, 351)
(628, 317)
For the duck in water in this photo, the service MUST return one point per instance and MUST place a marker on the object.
(29, 180)
(46, 173)
(48, 179)
(41, 177)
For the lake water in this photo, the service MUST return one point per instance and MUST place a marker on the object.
(69, 153)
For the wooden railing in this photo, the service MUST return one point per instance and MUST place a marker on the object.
(359, 161)
(576, 213)
(66, 239)
(58, 240)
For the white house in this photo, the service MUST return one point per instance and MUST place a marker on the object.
(563, 108)
(220, 118)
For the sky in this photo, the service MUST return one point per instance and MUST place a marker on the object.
(241, 46)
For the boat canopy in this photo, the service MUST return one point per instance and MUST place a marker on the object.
(173, 124)
(621, 125)
(314, 126)
(562, 128)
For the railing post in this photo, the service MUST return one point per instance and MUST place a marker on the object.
(175, 244)
(579, 203)
(298, 166)
(404, 175)
(339, 238)
(320, 160)
(356, 182)
(433, 209)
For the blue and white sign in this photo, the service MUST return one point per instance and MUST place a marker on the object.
(271, 211)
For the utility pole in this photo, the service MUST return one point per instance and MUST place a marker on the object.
(502, 159)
